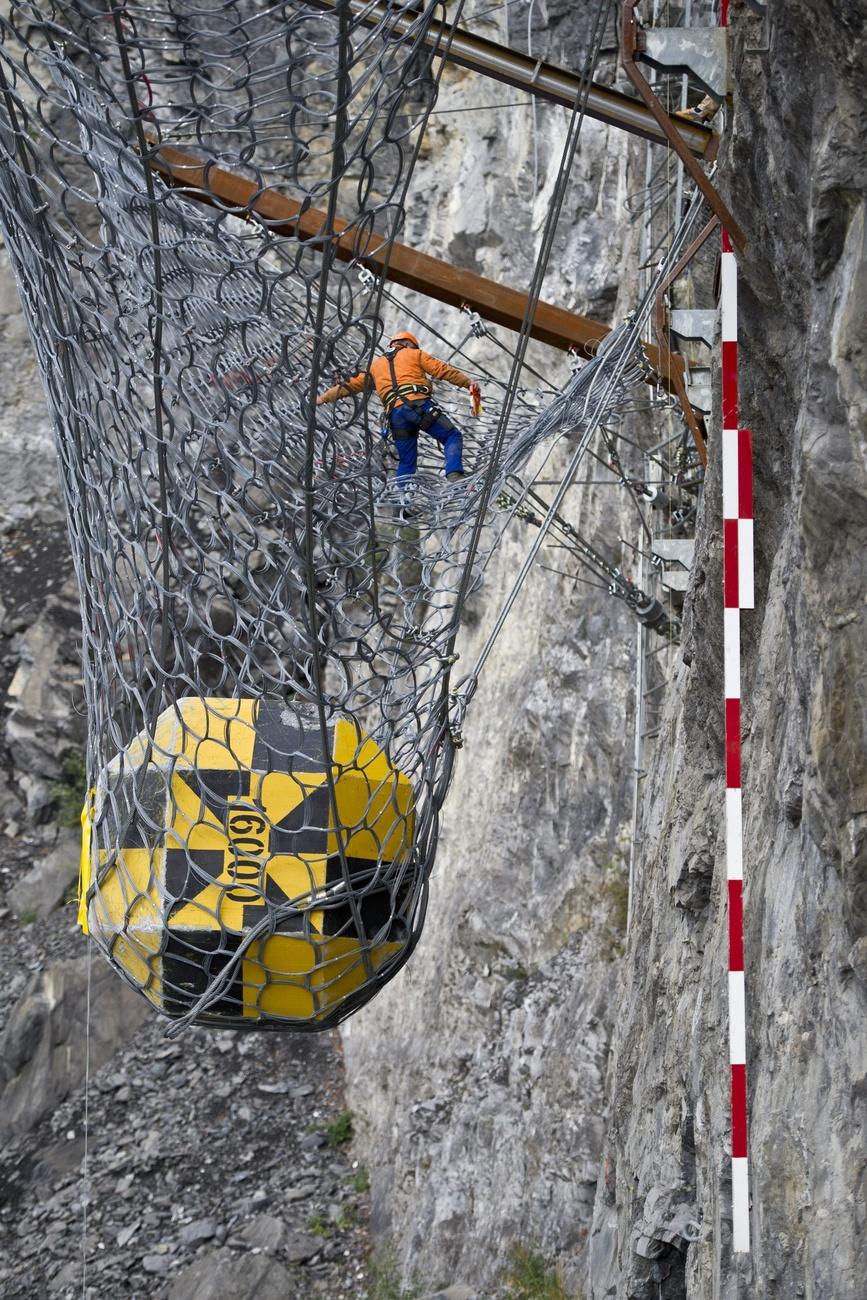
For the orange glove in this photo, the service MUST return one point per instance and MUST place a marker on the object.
(476, 400)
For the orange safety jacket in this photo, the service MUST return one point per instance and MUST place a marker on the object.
(411, 369)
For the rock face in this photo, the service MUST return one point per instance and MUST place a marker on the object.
(43, 1048)
(220, 1273)
(535, 1078)
(798, 186)
(480, 1073)
(29, 485)
(47, 884)
(40, 631)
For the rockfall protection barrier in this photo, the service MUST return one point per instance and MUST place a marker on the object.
(269, 617)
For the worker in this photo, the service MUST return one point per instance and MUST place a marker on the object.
(402, 379)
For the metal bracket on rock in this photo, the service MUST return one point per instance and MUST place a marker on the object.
(695, 324)
(459, 700)
(700, 53)
(478, 328)
(630, 36)
(693, 421)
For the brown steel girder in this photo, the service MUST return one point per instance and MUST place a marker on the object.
(497, 304)
(695, 424)
(628, 47)
(544, 80)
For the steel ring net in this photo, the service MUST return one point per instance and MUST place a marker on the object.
(266, 615)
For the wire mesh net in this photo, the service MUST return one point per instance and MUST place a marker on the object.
(268, 612)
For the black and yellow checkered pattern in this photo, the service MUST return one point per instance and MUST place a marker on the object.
(240, 876)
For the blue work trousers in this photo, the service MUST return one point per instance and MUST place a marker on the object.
(405, 424)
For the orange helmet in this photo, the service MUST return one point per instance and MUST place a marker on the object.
(404, 337)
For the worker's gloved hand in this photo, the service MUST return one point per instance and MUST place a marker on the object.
(475, 399)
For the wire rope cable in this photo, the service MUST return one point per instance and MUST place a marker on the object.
(534, 292)
(85, 1160)
(468, 686)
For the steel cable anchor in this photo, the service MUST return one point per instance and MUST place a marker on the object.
(459, 700)
(478, 327)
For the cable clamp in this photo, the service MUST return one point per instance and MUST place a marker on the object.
(459, 699)
(477, 325)
(458, 710)
(367, 278)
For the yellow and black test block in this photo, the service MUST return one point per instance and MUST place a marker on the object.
(224, 873)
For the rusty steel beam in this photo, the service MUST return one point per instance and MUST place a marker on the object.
(629, 42)
(495, 303)
(694, 422)
(544, 80)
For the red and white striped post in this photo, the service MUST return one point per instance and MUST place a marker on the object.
(737, 494)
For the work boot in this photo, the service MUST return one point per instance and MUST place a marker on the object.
(454, 474)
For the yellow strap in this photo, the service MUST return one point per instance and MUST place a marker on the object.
(389, 398)
(84, 863)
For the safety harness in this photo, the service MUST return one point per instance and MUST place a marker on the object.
(433, 415)
(403, 390)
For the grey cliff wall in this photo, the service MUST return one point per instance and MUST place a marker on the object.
(481, 1074)
(795, 172)
(478, 1077)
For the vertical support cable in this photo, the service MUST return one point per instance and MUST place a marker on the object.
(737, 595)
(645, 277)
(684, 101)
(533, 103)
(638, 749)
